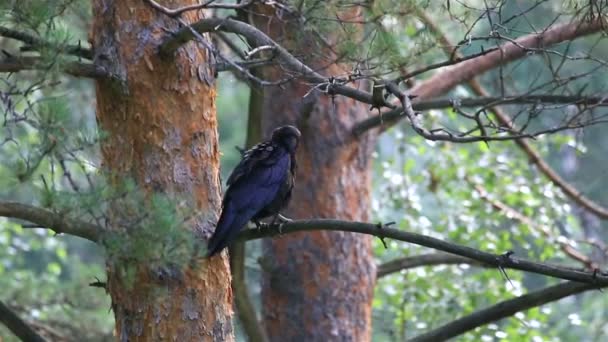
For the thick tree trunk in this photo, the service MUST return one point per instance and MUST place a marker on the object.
(162, 132)
(321, 284)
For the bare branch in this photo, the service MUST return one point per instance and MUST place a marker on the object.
(444, 81)
(259, 38)
(207, 4)
(37, 43)
(534, 156)
(15, 64)
(251, 64)
(430, 259)
(440, 134)
(18, 326)
(381, 231)
(390, 117)
(51, 220)
(504, 309)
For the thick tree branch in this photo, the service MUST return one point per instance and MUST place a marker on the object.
(37, 43)
(61, 224)
(18, 326)
(378, 230)
(15, 64)
(430, 259)
(51, 220)
(443, 81)
(503, 310)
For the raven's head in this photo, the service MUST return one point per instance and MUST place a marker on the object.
(288, 136)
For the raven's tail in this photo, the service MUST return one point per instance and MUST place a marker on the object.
(228, 227)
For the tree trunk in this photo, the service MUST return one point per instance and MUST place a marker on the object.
(320, 285)
(161, 131)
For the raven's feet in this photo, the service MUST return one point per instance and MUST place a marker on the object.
(259, 225)
(283, 219)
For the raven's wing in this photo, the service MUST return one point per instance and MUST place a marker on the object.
(246, 196)
(258, 154)
(280, 201)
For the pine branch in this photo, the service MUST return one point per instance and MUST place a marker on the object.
(10, 63)
(51, 220)
(37, 43)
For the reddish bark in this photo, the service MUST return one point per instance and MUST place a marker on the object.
(162, 131)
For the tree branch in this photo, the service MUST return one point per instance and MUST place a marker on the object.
(378, 230)
(430, 259)
(443, 81)
(50, 220)
(504, 309)
(389, 117)
(259, 38)
(15, 64)
(207, 4)
(18, 326)
(61, 224)
(37, 43)
(503, 118)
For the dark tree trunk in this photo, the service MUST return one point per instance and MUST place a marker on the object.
(320, 285)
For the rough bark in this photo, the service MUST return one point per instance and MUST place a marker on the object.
(161, 131)
(320, 284)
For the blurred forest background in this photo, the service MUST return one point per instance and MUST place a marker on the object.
(484, 195)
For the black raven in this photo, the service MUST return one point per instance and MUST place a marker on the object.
(259, 186)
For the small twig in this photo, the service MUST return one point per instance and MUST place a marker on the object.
(380, 226)
(502, 261)
(99, 283)
(207, 4)
(249, 54)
